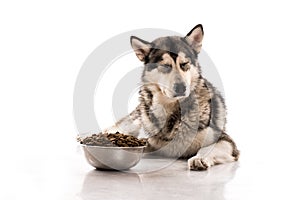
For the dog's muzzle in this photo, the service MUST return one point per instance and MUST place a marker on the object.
(179, 89)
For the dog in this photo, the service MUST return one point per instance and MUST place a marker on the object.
(182, 113)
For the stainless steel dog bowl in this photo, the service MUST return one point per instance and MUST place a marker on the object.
(117, 158)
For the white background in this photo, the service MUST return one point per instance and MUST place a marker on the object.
(254, 44)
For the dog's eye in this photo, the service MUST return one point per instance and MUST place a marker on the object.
(165, 68)
(150, 66)
(185, 66)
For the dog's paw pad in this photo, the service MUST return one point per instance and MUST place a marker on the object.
(196, 163)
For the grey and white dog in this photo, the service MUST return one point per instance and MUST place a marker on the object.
(183, 115)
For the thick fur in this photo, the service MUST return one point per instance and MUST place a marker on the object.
(180, 111)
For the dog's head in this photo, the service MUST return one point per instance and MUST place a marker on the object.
(171, 62)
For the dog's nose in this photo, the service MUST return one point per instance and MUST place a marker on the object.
(179, 88)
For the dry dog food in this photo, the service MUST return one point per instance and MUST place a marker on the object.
(112, 140)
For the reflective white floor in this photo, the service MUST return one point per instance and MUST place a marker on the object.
(70, 177)
(174, 182)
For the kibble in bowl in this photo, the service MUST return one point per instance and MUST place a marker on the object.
(112, 151)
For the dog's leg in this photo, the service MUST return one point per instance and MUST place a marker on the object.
(131, 124)
(223, 151)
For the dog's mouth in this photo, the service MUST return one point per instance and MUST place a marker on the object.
(174, 95)
(179, 95)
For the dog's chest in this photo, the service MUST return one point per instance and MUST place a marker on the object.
(170, 117)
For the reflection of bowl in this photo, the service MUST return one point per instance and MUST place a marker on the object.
(118, 158)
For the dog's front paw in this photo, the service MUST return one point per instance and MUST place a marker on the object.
(196, 163)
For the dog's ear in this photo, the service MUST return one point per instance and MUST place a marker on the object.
(195, 36)
(140, 47)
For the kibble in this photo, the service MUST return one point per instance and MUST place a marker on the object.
(113, 140)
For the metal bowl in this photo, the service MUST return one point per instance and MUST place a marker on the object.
(115, 158)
